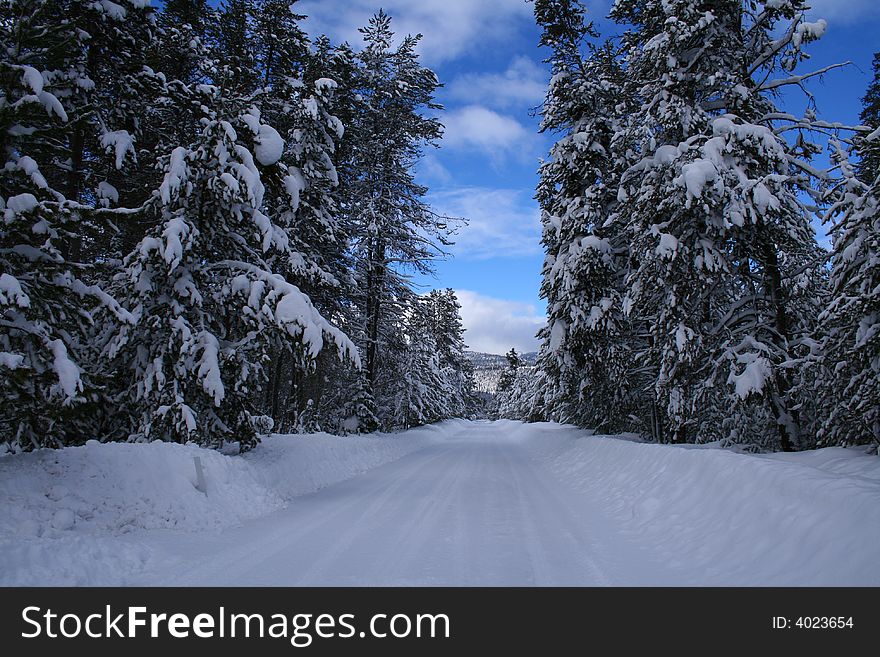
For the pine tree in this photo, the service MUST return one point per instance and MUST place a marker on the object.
(359, 414)
(521, 397)
(587, 343)
(423, 393)
(280, 45)
(391, 226)
(299, 103)
(68, 119)
(680, 254)
(233, 46)
(851, 392)
(868, 167)
(508, 376)
(208, 302)
(447, 333)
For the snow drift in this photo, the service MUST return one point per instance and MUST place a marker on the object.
(729, 519)
(74, 516)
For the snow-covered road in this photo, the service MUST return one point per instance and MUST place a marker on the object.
(474, 509)
(457, 503)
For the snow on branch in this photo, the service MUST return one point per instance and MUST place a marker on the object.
(293, 310)
(797, 79)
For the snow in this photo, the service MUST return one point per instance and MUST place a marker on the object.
(29, 166)
(724, 126)
(21, 203)
(668, 246)
(229, 131)
(121, 142)
(311, 107)
(230, 181)
(753, 377)
(113, 10)
(557, 334)
(294, 183)
(268, 146)
(459, 503)
(117, 493)
(65, 369)
(32, 78)
(176, 175)
(209, 367)
(108, 191)
(52, 105)
(11, 292)
(764, 198)
(807, 31)
(10, 361)
(731, 519)
(176, 231)
(294, 312)
(683, 335)
(246, 171)
(596, 243)
(695, 176)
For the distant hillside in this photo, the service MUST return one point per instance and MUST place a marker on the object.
(488, 368)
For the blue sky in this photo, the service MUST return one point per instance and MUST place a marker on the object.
(485, 53)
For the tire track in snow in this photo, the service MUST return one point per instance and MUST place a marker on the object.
(536, 500)
(364, 526)
(287, 529)
(421, 528)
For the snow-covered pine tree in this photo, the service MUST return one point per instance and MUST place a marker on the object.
(208, 303)
(280, 45)
(868, 166)
(358, 407)
(423, 393)
(298, 100)
(185, 28)
(68, 109)
(508, 376)
(445, 325)
(521, 399)
(391, 226)
(722, 245)
(232, 46)
(851, 323)
(587, 342)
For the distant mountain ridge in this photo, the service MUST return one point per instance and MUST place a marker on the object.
(488, 368)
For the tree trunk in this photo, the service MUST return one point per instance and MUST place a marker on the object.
(275, 392)
(656, 423)
(73, 245)
(787, 420)
(375, 284)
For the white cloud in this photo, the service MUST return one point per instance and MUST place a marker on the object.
(524, 83)
(495, 325)
(501, 222)
(475, 127)
(844, 11)
(451, 28)
(432, 170)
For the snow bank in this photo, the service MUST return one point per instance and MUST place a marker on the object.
(74, 516)
(116, 488)
(723, 518)
(294, 465)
